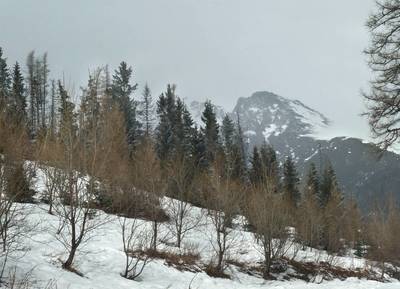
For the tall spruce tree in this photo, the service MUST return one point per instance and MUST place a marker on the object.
(256, 170)
(178, 127)
(239, 171)
(199, 149)
(210, 131)
(228, 132)
(18, 107)
(188, 132)
(228, 138)
(165, 138)
(312, 181)
(146, 111)
(269, 162)
(122, 90)
(328, 185)
(291, 181)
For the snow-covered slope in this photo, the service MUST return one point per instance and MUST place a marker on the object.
(102, 260)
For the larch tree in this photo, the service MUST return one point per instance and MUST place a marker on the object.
(383, 98)
(309, 220)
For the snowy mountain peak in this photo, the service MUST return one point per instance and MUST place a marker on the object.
(275, 115)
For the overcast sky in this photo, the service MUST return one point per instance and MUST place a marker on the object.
(309, 50)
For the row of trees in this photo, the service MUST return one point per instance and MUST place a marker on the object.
(107, 151)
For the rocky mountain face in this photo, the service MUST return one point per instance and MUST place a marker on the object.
(295, 129)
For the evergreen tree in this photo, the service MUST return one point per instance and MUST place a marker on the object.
(256, 171)
(18, 107)
(147, 111)
(312, 181)
(227, 131)
(5, 82)
(177, 127)
(328, 184)
(210, 131)
(175, 131)
(165, 138)
(199, 149)
(122, 90)
(227, 141)
(269, 162)
(18, 186)
(239, 170)
(188, 131)
(67, 122)
(291, 181)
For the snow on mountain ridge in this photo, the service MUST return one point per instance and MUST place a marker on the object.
(272, 115)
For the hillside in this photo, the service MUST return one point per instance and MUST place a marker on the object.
(101, 261)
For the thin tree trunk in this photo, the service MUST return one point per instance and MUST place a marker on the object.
(67, 264)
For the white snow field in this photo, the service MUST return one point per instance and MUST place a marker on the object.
(101, 260)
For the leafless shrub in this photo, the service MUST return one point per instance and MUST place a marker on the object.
(182, 182)
(147, 178)
(136, 240)
(270, 216)
(223, 199)
(14, 225)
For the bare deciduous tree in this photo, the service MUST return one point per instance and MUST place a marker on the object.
(383, 234)
(148, 181)
(136, 241)
(309, 220)
(384, 60)
(182, 182)
(269, 214)
(223, 200)
(14, 225)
